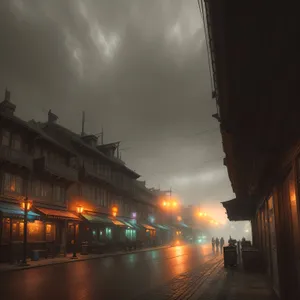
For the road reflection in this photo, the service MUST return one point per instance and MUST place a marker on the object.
(107, 278)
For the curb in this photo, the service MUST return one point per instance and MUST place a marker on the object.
(17, 268)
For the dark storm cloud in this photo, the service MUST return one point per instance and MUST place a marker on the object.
(139, 68)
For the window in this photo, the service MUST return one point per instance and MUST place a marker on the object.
(130, 234)
(59, 194)
(46, 189)
(16, 142)
(108, 233)
(101, 235)
(35, 231)
(5, 141)
(94, 234)
(36, 188)
(12, 183)
(50, 232)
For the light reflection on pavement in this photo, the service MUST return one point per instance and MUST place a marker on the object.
(121, 277)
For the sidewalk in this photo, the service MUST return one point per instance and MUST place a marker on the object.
(235, 284)
(5, 267)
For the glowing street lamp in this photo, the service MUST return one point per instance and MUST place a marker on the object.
(26, 206)
(179, 218)
(114, 211)
(80, 209)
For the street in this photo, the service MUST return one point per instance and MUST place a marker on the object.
(170, 273)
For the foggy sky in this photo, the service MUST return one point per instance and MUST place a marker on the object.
(138, 68)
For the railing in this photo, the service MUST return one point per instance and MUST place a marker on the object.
(16, 157)
(57, 169)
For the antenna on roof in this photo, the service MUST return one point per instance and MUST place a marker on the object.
(82, 123)
(102, 135)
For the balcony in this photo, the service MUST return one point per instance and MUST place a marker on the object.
(16, 157)
(57, 169)
(88, 170)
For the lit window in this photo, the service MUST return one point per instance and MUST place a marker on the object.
(108, 233)
(12, 183)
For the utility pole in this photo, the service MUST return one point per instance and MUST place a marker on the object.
(82, 123)
(102, 136)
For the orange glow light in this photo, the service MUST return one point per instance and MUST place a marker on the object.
(114, 211)
(164, 203)
(179, 218)
(29, 204)
(174, 204)
(168, 203)
(200, 214)
(80, 209)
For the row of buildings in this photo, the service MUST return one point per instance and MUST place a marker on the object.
(255, 74)
(79, 190)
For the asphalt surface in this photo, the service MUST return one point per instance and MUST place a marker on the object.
(170, 273)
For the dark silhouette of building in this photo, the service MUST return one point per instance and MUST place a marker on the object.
(255, 66)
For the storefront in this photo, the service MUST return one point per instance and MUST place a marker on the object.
(163, 234)
(12, 229)
(97, 228)
(61, 229)
(147, 235)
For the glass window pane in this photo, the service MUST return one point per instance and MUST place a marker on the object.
(6, 182)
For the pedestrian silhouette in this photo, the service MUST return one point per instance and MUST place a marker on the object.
(213, 243)
(221, 244)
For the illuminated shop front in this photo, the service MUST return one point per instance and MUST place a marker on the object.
(12, 228)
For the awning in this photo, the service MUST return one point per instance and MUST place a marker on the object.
(239, 210)
(93, 218)
(104, 219)
(13, 210)
(126, 222)
(118, 223)
(162, 227)
(183, 225)
(146, 226)
(58, 214)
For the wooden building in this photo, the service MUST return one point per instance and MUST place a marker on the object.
(255, 66)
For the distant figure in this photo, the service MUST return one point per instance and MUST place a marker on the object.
(217, 244)
(221, 244)
(213, 243)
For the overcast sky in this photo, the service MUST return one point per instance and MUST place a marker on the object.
(138, 68)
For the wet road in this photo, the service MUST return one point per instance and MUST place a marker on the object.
(158, 274)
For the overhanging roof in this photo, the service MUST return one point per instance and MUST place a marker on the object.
(239, 210)
(13, 210)
(58, 214)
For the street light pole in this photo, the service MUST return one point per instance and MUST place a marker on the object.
(24, 263)
(74, 243)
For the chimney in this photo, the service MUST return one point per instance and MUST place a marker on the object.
(52, 118)
(90, 139)
(6, 106)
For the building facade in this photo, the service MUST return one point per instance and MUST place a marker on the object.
(258, 111)
(80, 191)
